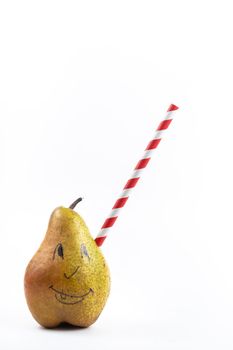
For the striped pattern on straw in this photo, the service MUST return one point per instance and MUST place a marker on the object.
(131, 183)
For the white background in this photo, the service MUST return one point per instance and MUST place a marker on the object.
(83, 85)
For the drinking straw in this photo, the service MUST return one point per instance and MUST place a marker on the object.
(133, 180)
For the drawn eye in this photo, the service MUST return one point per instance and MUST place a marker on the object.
(84, 251)
(59, 251)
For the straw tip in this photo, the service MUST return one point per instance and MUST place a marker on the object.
(172, 108)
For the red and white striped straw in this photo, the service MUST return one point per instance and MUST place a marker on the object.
(131, 183)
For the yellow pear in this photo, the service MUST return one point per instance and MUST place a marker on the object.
(67, 279)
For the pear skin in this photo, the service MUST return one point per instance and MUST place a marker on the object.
(67, 280)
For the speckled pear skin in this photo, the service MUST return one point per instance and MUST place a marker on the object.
(68, 279)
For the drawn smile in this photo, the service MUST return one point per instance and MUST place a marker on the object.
(69, 299)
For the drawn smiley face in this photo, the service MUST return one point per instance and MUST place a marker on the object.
(65, 297)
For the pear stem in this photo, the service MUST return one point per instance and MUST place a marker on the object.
(73, 205)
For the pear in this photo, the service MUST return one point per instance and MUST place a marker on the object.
(67, 280)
